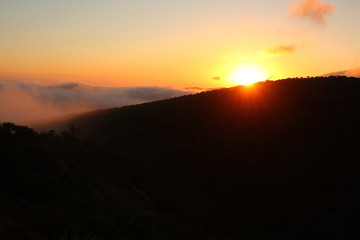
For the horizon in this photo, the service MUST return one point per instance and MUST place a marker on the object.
(165, 47)
(178, 44)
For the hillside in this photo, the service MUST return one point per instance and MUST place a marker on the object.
(276, 160)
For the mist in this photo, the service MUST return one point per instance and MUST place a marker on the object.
(27, 103)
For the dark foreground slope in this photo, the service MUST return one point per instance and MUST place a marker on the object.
(278, 160)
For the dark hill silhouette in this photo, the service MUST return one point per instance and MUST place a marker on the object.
(277, 160)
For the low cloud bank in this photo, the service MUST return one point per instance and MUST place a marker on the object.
(312, 9)
(24, 103)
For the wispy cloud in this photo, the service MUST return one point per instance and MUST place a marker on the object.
(196, 88)
(355, 72)
(281, 49)
(23, 102)
(312, 9)
(217, 78)
(200, 89)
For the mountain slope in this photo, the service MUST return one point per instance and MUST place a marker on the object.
(275, 154)
(276, 160)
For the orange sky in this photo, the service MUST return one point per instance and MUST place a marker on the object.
(179, 44)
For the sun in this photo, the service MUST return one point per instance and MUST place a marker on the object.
(246, 75)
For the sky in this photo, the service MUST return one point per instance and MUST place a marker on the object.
(175, 44)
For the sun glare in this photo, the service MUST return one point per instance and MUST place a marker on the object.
(247, 75)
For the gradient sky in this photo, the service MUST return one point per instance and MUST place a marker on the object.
(175, 43)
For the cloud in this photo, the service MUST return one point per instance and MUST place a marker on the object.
(200, 89)
(313, 9)
(196, 88)
(281, 49)
(217, 78)
(24, 103)
(339, 73)
(355, 72)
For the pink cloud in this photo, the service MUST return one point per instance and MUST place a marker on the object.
(313, 9)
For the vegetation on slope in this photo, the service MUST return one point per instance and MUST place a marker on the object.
(277, 160)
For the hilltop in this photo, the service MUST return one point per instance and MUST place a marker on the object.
(275, 160)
